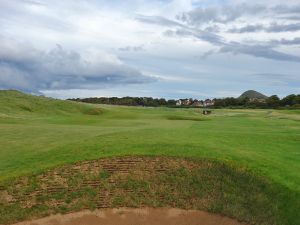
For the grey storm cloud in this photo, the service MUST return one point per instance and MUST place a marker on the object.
(229, 13)
(220, 14)
(196, 33)
(295, 41)
(257, 50)
(260, 51)
(275, 27)
(26, 68)
(181, 29)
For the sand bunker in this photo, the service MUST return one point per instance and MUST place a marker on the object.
(126, 216)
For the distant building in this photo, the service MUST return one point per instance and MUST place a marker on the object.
(197, 103)
(261, 100)
(178, 102)
(208, 103)
(185, 101)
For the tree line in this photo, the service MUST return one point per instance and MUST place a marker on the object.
(290, 101)
(129, 101)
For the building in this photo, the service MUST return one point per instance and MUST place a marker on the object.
(178, 102)
(197, 103)
(208, 103)
(185, 101)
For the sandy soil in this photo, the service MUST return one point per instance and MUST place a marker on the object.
(126, 216)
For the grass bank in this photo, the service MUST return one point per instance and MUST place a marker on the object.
(148, 181)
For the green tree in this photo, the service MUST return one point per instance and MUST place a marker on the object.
(273, 101)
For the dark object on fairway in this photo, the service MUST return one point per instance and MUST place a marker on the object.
(206, 111)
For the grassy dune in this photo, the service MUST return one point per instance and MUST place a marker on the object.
(38, 133)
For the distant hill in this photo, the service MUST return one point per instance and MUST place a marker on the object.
(16, 102)
(253, 95)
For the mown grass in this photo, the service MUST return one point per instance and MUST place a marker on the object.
(38, 133)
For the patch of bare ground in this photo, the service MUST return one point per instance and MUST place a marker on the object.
(130, 216)
(140, 182)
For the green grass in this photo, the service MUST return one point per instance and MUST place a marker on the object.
(151, 181)
(37, 133)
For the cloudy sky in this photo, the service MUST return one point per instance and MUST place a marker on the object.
(158, 48)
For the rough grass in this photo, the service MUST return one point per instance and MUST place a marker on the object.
(47, 133)
(142, 181)
(14, 103)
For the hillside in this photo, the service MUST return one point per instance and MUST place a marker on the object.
(14, 102)
(253, 94)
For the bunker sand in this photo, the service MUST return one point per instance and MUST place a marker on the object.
(142, 216)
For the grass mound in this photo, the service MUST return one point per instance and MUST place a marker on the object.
(18, 103)
(146, 181)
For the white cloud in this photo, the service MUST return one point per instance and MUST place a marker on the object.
(27, 68)
(104, 44)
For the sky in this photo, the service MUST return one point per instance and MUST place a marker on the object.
(159, 48)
